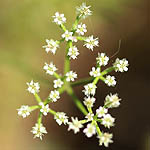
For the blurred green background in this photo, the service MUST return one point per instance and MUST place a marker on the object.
(24, 26)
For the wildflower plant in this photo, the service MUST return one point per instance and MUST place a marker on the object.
(91, 121)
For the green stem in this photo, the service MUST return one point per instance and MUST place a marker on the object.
(81, 38)
(75, 25)
(98, 129)
(57, 75)
(37, 97)
(76, 100)
(39, 118)
(67, 60)
(52, 112)
(106, 71)
(63, 27)
(32, 108)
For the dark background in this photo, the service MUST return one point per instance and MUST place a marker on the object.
(24, 26)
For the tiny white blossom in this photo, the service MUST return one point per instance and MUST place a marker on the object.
(67, 35)
(121, 65)
(24, 111)
(73, 39)
(81, 29)
(110, 80)
(95, 72)
(51, 46)
(90, 42)
(44, 108)
(89, 101)
(33, 87)
(102, 59)
(101, 111)
(75, 125)
(105, 139)
(54, 95)
(90, 130)
(108, 120)
(89, 116)
(83, 11)
(50, 68)
(39, 130)
(112, 101)
(73, 52)
(60, 118)
(71, 76)
(89, 89)
(58, 83)
(59, 18)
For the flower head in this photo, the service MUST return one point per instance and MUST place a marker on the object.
(89, 101)
(39, 130)
(90, 130)
(59, 18)
(33, 87)
(95, 72)
(101, 111)
(44, 108)
(60, 118)
(90, 42)
(51, 46)
(73, 52)
(75, 125)
(50, 68)
(108, 120)
(24, 111)
(71, 76)
(121, 65)
(81, 29)
(89, 116)
(67, 35)
(112, 101)
(58, 83)
(105, 139)
(83, 11)
(54, 95)
(89, 89)
(102, 59)
(110, 80)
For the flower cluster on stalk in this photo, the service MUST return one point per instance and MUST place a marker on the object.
(92, 121)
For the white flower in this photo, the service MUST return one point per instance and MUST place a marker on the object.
(89, 89)
(73, 52)
(95, 72)
(83, 11)
(58, 83)
(101, 111)
(108, 120)
(89, 116)
(75, 125)
(67, 35)
(51, 46)
(73, 39)
(24, 111)
(112, 101)
(102, 59)
(60, 118)
(59, 18)
(70, 76)
(33, 87)
(105, 139)
(54, 95)
(90, 42)
(110, 80)
(44, 108)
(50, 68)
(39, 130)
(89, 101)
(90, 130)
(81, 29)
(121, 65)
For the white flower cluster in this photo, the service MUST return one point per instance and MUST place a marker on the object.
(64, 82)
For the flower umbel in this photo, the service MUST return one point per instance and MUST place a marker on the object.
(44, 108)
(102, 59)
(54, 95)
(60, 118)
(73, 52)
(24, 111)
(90, 130)
(110, 80)
(50, 68)
(71, 76)
(33, 87)
(59, 18)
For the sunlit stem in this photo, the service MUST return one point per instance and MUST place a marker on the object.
(74, 27)
(32, 108)
(39, 118)
(37, 97)
(52, 112)
(63, 27)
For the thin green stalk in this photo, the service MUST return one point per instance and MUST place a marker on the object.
(98, 129)
(106, 71)
(52, 112)
(32, 108)
(75, 24)
(67, 60)
(37, 97)
(81, 38)
(76, 100)
(39, 118)
(57, 75)
(63, 27)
